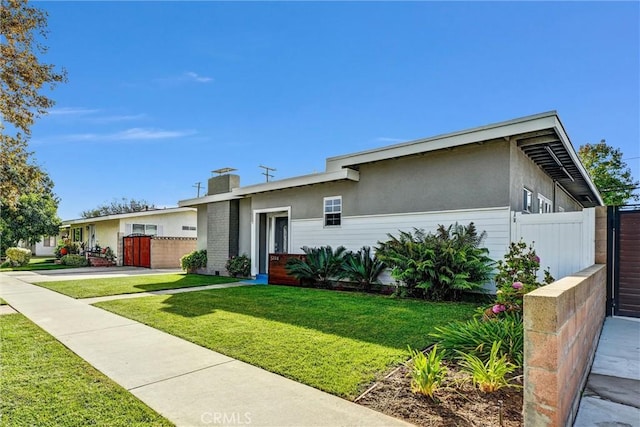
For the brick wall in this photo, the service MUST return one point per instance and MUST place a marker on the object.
(562, 324)
(167, 251)
(601, 235)
(218, 237)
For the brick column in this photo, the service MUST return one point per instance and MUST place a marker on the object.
(222, 235)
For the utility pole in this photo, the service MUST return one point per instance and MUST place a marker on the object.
(198, 186)
(266, 173)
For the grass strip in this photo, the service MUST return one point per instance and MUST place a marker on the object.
(45, 384)
(335, 341)
(39, 264)
(87, 288)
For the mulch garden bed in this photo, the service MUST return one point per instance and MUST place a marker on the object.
(456, 402)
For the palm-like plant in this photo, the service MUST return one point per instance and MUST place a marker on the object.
(320, 266)
(363, 268)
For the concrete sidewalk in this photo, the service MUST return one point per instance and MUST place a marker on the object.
(612, 394)
(37, 276)
(186, 383)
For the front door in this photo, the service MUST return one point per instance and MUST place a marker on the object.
(281, 235)
(92, 236)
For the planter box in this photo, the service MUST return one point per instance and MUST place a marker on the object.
(277, 271)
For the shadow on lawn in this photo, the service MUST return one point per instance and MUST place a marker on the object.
(187, 281)
(372, 318)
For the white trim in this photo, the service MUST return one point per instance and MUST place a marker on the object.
(255, 250)
(128, 215)
(324, 211)
(497, 208)
(484, 133)
(576, 160)
(526, 207)
(298, 181)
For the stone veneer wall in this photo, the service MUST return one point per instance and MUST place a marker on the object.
(562, 324)
(167, 251)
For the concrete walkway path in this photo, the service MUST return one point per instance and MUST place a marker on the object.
(612, 394)
(186, 383)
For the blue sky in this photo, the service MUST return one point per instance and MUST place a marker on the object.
(161, 93)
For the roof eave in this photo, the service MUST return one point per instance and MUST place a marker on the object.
(283, 184)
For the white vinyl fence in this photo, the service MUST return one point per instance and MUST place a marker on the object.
(564, 241)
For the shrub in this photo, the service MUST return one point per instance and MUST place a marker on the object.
(239, 266)
(18, 256)
(427, 372)
(320, 266)
(476, 336)
(66, 247)
(488, 376)
(440, 265)
(363, 268)
(517, 275)
(74, 260)
(194, 260)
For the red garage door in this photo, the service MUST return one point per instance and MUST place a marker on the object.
(137, 251)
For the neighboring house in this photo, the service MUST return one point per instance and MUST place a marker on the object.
(45, 247)
(109, 230)
(484, 175)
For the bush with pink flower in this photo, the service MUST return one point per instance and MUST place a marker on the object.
(517, 275)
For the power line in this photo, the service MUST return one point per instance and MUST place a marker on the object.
(266, 173)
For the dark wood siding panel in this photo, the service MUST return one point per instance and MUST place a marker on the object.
(629, 264)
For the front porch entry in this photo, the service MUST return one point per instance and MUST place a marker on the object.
(270, 234)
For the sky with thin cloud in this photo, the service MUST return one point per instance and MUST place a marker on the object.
(159, 94)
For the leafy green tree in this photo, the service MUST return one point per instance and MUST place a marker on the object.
(121, 206)
(34, 216)
(22, 80)
(609, 173)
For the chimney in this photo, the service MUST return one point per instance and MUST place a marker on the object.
(224, 182)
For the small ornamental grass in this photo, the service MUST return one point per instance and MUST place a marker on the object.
(476, 335)
(489, 375)
(427, 372)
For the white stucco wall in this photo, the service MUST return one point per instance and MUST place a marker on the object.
(169, 224)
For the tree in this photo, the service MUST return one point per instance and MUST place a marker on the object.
(609, 173)
(22, 78)
(121, 206)
(34, 216)
(22, 75)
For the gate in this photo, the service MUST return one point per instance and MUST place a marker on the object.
(624, 252)
(137, 251)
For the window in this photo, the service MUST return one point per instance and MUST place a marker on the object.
(76, 235)
(188, 228)
(49, 241)
(332, 211)
(544, 204)
(527, 200)
(148, 229)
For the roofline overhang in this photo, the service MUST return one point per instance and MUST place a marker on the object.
(566, 142)
(449, 140)
(125, 215)
(283, 184)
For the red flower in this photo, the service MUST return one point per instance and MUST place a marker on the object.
(63, 251)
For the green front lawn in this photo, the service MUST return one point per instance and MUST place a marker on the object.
(45, 384)
(87, 288)
(38, 263)
(335, 341)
